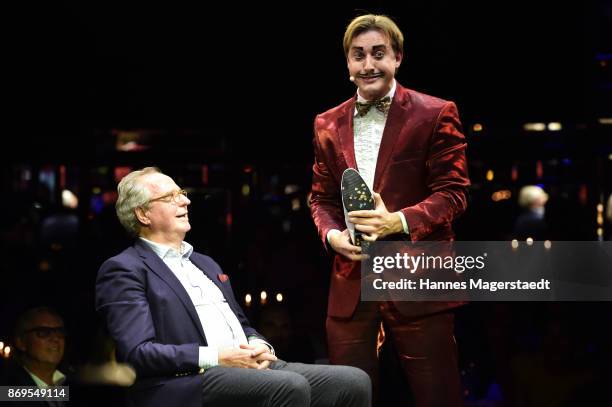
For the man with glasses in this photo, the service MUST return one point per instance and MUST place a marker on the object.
(40, 341)
(174, 318)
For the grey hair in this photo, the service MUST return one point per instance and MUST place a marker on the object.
(132, 194)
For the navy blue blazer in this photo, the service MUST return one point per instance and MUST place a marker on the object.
(155, 324)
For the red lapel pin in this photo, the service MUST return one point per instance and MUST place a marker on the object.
(223, 277)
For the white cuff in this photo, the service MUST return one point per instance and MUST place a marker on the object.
(254, 339)
(404, 223)
(208, 357)
(330, 232)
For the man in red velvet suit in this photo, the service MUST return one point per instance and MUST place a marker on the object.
(411, 153)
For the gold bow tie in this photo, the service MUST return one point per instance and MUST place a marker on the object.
(380, 104)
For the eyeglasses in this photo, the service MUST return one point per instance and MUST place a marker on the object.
(44, 332)
(170, 197)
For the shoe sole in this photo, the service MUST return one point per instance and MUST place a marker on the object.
(356, 196)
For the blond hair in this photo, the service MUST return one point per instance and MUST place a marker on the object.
(531, 195)
(376, 22)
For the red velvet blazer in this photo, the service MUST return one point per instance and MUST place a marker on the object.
(421, 170)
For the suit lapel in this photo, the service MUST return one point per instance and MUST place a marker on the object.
(160, 268)
(398, 115)
(213, 277)
(225, 288)
(345, 132)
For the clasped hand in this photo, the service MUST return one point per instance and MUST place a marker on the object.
(256, 356)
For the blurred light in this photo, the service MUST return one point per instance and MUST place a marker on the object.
(121, 172)
(204, 174)
(534, 126)
(605, 120)
(247, 169)
(295, 204)
(539, 169)
(583, 194)
(44, 265)
(263, 296)
(566, 161)
(554, 126)
(96, 190)
(599, 232)
(600, 219)
(610, 157)
(529, 241)
(248, 299)
(547, 244)
(477, 127)
(501, 195)
(246, 190)
(515, 244)
(69, 199)
(291, 188)
(1, 345)
(600, 208)
(7, 351)
(62, 174)
(279, 297)
(514, 173)
(109, 197)
(490, 175)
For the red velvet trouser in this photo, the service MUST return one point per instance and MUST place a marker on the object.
(426, 348)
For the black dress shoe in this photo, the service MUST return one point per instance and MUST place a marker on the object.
(356, 196)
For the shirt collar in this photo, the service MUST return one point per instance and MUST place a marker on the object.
(58, 378)
(361, 99)
(165, 251)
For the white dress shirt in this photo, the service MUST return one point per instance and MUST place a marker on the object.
(221, 326)
(367, 136)
(58, 379)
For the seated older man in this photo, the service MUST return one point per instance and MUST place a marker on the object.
(174, 317)
(40, 342)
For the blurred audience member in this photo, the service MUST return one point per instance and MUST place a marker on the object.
(531, 222)
(39, 342)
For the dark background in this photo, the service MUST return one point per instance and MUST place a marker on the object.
(223, 96)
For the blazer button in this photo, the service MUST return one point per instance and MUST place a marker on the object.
(201, 370)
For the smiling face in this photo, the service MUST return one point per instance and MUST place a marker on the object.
(165, 221)
(373, 63)
(43, 341)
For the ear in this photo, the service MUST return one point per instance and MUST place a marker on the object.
(142, 217)
(398, 59)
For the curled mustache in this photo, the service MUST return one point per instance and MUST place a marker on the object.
(371, 76)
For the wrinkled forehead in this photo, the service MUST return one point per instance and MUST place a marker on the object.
(158, 183)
